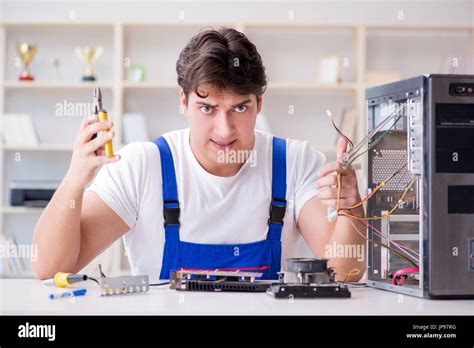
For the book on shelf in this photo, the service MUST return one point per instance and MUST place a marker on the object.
(4, 265)
(18, 130)
(11, 259)
(330, 70)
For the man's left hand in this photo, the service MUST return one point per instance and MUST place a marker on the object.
(327, 183)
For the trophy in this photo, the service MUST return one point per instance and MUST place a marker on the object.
(27, 52)
(87, 55)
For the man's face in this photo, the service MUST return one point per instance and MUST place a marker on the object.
(223, 121)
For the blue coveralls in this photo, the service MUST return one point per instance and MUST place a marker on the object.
(262, 256)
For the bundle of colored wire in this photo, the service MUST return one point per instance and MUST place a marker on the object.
(373, 192)
(407, 256)
(407, 188)
(353, 155)
(377, 232)
(372, 145)
(400, 275)
(351, 144)
(384, 245)
(348, 157)
(400, 246)
(390, 242)
(353, 272)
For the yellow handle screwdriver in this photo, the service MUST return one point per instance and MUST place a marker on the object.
(109, 152)
(62, 279)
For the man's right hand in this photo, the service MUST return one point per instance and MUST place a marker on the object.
(88, 154)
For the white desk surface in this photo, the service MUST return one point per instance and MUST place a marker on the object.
(29, 296)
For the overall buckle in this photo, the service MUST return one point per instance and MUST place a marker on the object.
(171, 214)
(277, 212)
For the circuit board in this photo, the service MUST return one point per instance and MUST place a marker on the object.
(217, 281)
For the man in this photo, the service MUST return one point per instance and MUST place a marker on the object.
(180, 202)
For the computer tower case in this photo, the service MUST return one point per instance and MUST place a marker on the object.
(428, 205)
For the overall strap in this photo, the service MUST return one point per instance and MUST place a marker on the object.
(171, 209)
(278, 202)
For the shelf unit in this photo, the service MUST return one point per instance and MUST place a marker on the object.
(289, 51)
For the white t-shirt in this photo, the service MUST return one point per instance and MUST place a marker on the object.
(214, 209)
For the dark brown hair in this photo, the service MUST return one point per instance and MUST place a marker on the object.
(224, 58)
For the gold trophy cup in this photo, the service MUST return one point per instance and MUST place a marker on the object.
(27, 52)
(87, 55)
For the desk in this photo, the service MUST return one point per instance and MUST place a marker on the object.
(29, 296)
